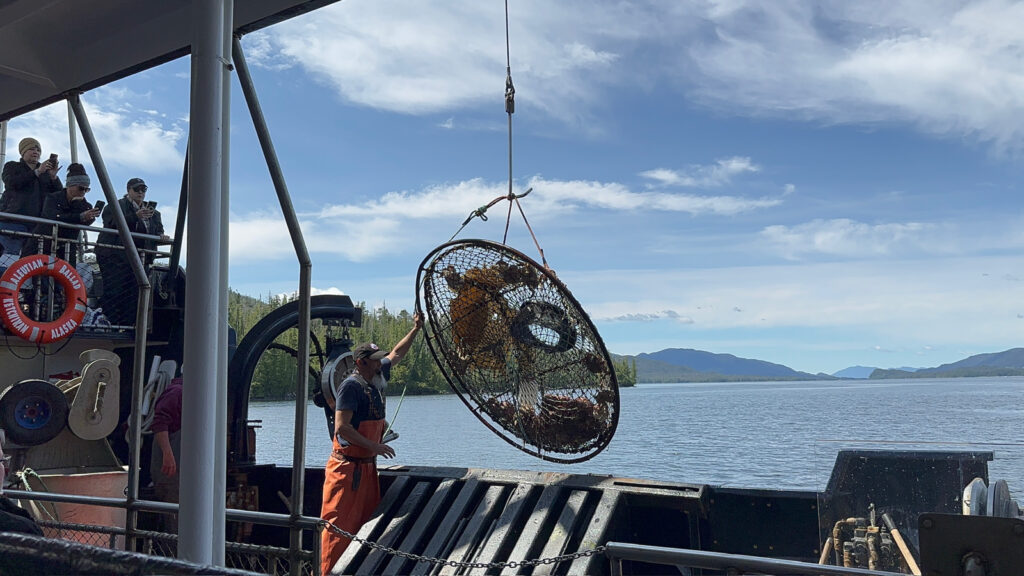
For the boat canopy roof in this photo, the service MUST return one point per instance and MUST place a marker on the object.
(49, 48)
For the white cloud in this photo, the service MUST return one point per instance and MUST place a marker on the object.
(845, 237)
(432, 202)
(313, 291)
(264, 237)
(399, 218)
(583, 56)
(549, 198)
(259, 236)
(560, 195)
(716, 174)
(896, 300)
(128, 138)
(260, 51)
(649, 317)
(402, 56)
(948, 68)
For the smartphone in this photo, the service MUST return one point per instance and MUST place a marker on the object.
(150, 205)
(99, 205)
(53, 159)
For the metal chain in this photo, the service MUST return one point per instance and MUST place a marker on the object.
(458, 564)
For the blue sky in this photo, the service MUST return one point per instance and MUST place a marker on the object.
(817, 184)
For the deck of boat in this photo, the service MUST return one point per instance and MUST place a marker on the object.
(495, 516)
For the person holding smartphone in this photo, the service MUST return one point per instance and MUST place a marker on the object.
(120, 292)
(69, 206)
(26, 183)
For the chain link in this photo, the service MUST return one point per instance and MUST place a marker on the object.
(457, 564)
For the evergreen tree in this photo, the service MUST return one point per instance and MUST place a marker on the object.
(417, 373)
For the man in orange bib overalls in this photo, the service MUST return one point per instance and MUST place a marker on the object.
(351, 488)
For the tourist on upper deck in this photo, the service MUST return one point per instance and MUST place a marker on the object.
(120, 290)
(26, 182)
(351, 486)
(69, 206)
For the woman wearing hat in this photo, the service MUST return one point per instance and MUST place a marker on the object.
(26, 183)
(69, 206)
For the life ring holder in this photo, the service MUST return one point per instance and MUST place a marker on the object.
(16, 321)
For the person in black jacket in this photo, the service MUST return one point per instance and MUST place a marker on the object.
(68, 206)
(119, 300)
(26, 183)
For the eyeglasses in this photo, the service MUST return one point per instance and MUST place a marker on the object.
(141, 189)
(84, 188)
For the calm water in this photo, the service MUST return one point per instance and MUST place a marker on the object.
(764, 434)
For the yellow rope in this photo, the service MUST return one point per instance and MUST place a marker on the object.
(23, 479)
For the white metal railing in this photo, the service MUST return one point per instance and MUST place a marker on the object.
(57, 226)
(43, 303)
(299, 523)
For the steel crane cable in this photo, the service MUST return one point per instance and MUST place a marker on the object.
(513, 342)
(512, 197)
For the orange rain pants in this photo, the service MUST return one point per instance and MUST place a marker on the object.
(346, 507)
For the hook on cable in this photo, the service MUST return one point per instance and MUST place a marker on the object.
(481, 211)
(510, 93)
(513, 197)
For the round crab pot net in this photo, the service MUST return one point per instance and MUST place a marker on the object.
(519, 350)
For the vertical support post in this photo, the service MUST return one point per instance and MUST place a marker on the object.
(203, 370)
(179, 223)
(305, 284)
(221, 449)
(72, 135)
(141, 318)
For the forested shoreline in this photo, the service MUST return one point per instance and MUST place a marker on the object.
(417, 374)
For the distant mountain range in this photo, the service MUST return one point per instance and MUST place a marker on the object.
(687, 365)
(1007, 363)
(855, 372)
(865, 371)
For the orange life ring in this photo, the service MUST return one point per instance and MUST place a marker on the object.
(74, 293)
